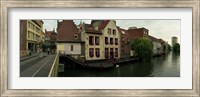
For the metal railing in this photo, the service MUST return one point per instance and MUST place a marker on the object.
(54, 69)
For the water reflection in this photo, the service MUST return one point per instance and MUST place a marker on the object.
(163, 66)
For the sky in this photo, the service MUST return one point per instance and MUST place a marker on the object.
(164, 29)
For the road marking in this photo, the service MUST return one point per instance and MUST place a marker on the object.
(41, 67)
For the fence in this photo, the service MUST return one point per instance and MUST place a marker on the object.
(54, 69)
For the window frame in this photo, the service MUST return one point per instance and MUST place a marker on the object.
(92, 40)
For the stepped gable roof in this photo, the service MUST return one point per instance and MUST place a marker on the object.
(67, 30)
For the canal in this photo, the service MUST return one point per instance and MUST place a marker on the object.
(162, 66)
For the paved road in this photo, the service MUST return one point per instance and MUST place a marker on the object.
(37, 66)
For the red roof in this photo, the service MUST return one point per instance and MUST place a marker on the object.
(67, 31)
(154, 39)
(49, 33)
(103, 24)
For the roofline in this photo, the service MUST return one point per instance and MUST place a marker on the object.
(65, 41)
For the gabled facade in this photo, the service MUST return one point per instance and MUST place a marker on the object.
(102, 39)
(111, 37)
(93, 42)
(68, 39)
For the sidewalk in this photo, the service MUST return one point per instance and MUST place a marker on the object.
(28, 57)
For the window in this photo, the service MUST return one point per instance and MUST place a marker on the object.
(106, 52)
(29, 34)
(91, 40)
(116, 52)
(109, 31)
(91, 52)
(123, 39)
(97, 40)
(122, 48)
(106, 40)
(72, 48)
(128, 40)
(111, 40)
(97, 50)
(33, 36)
(75, 36)
(111, 53)
(116, 41)
(114, 32)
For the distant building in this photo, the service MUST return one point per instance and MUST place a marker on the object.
(50, 39)
(30, 34)
(69, 40)
(174, 41)
(157, 45)
(125, 43)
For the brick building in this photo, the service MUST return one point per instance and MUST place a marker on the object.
(125, 42)
(134, 33)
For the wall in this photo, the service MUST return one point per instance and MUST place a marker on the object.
(156, 48)
(23, 39)
(85, 37)
(66, 47)
(112, 25)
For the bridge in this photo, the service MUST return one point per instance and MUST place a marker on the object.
(39, 66)
(47, 65)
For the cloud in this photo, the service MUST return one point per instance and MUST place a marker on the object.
(164, 29)
(49, 25)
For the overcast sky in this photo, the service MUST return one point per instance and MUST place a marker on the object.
(164, 29)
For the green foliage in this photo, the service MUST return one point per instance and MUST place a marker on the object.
(169, 48)
(143, 48)
(176, 48)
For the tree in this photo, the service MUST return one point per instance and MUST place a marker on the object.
(169, 48)
(143, 48)
(176, 48)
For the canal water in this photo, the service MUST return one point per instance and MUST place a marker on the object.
(162, 66)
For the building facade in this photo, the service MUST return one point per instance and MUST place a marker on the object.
(50, 40)
(157, 46)
(111, 37)
(68, 39)
(134, 33)
(125, 43)
(30, 36)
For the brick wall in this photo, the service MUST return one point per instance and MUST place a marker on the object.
(23, 37)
